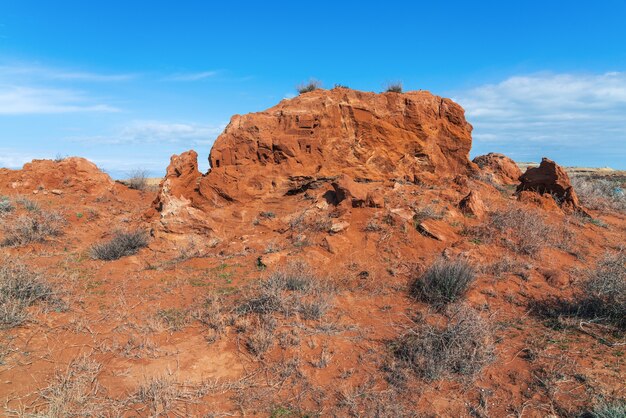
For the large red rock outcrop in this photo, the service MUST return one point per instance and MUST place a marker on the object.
(550, 178)
(311, 140)
(502, 168)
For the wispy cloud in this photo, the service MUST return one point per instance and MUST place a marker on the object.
(145, 132)
(35, 89)
(525, 115)
(20, 100)
(202, 75)
(21, 72)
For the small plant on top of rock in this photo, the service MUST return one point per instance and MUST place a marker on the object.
(394, 87)
(308, 87)
(122, 244)
(444, 282)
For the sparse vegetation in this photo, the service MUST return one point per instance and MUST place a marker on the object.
(293, 289)
(121, 245)
(601, 297)
(600, 194)
(462, 346)
(32, 227)
(395, 87)
(444, 282)
(138, 179)
(521, 230)
(27, 204)
(20, 288)
(607, 410)
(308, 87)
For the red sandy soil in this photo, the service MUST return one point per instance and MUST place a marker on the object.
(362, 188)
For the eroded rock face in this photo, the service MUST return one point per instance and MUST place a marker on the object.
(312, 140)
(550, 178)
(500, 167)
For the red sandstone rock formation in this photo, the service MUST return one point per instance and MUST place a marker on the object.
(550, 178)
(502, 168)
(71, 174)
(312, 140)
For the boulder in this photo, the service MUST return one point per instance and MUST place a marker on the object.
(550, 178)
(472, 205)
(502, 169)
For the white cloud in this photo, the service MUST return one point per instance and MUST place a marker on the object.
(142, 132)
(568, 113)
(36, 72)
(19, 100)
(191, 76)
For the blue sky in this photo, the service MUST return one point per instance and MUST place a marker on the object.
(128, 83)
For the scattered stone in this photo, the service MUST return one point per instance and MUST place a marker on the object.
(339, 226)
(435, 229)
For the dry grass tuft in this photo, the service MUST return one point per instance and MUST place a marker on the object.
(290, 290)
(444, 282)
(122, 244)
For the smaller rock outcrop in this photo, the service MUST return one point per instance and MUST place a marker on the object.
(472, 205)
(500, 167)
(550, 178)
(69, 175)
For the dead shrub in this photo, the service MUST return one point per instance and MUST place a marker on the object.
(600, 298)
(444, 282)
(262, 337)
(19, 289)
(122, 244)
(521, 230)
(74, 392)
(462, 346)
(600, 194)
(138, 180)
(32, 227)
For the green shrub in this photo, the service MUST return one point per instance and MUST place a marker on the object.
(394, 87)
(308, 87)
